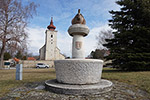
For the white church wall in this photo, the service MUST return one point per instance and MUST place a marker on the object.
(57, 51)
(42, 53)
(51, 37)
(61, 56)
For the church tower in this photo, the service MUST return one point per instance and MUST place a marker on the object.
(50, 51)
(51, 41)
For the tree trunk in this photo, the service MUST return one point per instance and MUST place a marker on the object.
(2, 61)
(2, 53)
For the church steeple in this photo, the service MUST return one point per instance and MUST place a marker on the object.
(51, 26)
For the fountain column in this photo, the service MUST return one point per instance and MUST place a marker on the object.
(78, 75)
(78, 30)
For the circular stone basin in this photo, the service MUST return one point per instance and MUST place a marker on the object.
(78, 71)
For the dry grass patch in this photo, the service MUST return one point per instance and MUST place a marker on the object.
(7, 78)
(139, 79)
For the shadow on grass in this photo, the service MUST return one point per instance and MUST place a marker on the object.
(7, 73)
(51, 72)
(112, 70)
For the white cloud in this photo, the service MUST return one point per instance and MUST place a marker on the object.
(64, 43)
(90, 40)
(36, 39)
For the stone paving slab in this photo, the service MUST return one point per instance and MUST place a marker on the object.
(35, 91)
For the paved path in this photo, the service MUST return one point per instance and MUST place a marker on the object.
(35, 91)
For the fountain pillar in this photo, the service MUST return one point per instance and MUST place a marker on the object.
(78, 47)
(78, 75)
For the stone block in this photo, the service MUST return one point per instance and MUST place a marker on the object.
(19, 72)
(18, 75)
(78, 71)
(19, 68)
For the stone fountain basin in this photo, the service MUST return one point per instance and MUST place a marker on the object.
(78, 71)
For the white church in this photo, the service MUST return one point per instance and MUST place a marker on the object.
(50, 51)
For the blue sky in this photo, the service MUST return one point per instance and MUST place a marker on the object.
(95, 13)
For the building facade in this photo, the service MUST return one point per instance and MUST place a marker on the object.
(50, 51)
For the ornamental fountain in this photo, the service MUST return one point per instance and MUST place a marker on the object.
(78, 76)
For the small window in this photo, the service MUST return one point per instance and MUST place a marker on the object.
(51, 42)
(51, 36)
(40, 64)
(6, 63)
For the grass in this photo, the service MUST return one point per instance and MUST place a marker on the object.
(7, 78)
(140, 79)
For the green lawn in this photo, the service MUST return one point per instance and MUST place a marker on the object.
(139, 79)
(7, 78)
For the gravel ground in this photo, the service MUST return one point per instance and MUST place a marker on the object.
(36, 91)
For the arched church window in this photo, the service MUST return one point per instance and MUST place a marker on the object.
(51, 36)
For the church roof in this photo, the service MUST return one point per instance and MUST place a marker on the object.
(51, 26)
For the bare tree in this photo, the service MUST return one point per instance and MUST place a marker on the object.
(13, 21)
(105, 34)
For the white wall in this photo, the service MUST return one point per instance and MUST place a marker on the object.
(32, 64)
(50, 51)
(51, 41)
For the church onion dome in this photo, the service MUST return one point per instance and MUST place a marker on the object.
(78, 19)
(51, 26)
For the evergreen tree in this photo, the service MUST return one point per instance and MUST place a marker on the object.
(7, 56)
(19, 55)
(98, 54)
(130, 47)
